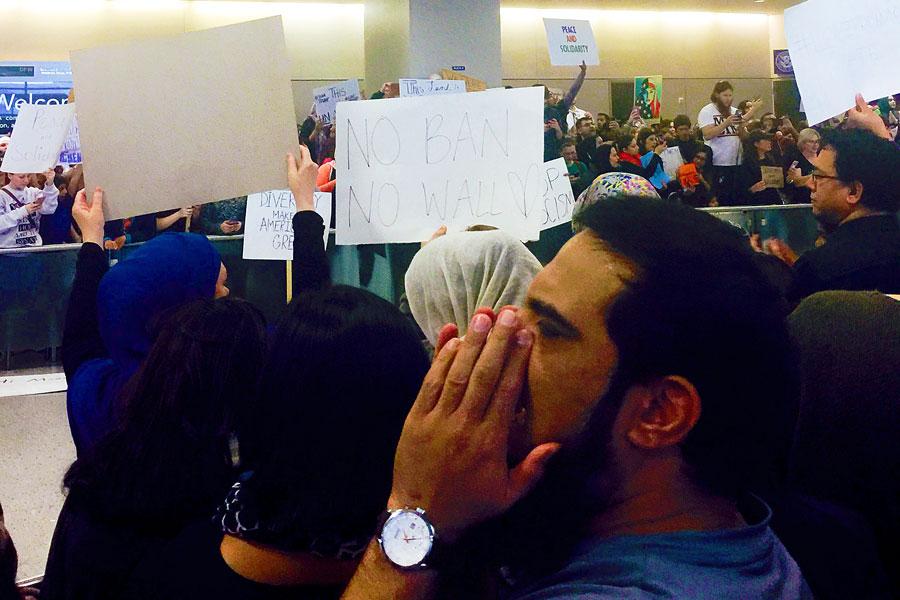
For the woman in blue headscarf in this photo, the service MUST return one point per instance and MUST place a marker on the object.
(111, 311)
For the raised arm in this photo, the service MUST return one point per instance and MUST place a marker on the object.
(50, 193)
(310, 265)
(576, 86)
(81, 334)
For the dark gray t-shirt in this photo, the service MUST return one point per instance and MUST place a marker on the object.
(749, 562)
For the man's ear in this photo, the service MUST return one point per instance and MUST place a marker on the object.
(854, 193)
(664, 411)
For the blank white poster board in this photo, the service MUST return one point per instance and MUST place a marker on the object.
(188, 119)
(571, 42)
(838, 50)
(406, 166)
(37, 137)
(558, 196)
(431, 87)
(268, 227)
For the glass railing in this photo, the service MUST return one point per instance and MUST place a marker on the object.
(35, 282)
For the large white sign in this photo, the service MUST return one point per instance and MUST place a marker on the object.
(406, 166)
(431, 87)
(558, 196)
(327, 98)
(268, 228)
(838, 51)
(571, 42)
(188, 119)
(37, 138)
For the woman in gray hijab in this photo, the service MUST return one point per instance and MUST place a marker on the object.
(455, 274)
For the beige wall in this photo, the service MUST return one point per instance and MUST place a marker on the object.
(690, 50)
(326, 43)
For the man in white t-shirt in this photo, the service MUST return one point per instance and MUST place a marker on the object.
(723, 128)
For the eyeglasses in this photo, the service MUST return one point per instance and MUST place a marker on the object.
(817, 176)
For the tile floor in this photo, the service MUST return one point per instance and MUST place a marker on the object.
(35, 451)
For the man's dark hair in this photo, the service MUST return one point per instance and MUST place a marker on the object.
(680, 121)
(872, 161)
(581, 120)
(566, 144)
(720, 87)
(700, 307)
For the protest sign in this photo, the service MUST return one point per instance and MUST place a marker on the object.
(773, 177)
(30, 385)
(408, 166)
(671, 160)
(558, 196)
(648, 97)
(571, 42)
(472, 84)
(328, 96)
(836, 53)
(37, 138)
(185, 120)
(431, 87)
(71, 150)
(268, 226)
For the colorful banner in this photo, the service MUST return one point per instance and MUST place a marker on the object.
(648, 97)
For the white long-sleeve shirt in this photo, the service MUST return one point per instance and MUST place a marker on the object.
(18, 229)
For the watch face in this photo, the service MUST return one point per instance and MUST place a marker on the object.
(406, 538)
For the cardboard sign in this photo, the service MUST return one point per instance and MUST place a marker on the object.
(472, 84)
(431, 87)
(30, 385)
(648, 97)
(838, 52)
(409, 165)
(328, 96)
(773, 177)
(672, 160)
(269, 230)
(571, 42)
(37, 138)
(185, 120)
(558, 196)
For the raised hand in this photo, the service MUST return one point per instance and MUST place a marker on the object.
(452, 458)
(89, 216)
(301, 175)
(862, 116)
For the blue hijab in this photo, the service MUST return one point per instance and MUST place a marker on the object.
(166, 272)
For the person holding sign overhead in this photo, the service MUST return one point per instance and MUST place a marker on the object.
(21, 208)
(555, 113)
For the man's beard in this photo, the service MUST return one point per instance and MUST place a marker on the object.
(539, 533)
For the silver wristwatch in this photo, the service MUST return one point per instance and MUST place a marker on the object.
(407, 538)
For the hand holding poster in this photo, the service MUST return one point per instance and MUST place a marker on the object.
(37, 138)
(558, 196)
(838, 52)
(327, 98)
(431, 87)
(269, 230)
(571, 42)
(408, 166)
(648, 97)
